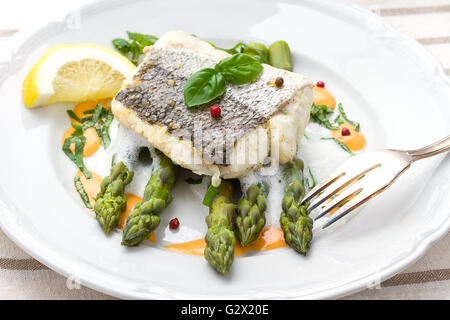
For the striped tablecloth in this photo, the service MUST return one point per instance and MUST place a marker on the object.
(22, 277)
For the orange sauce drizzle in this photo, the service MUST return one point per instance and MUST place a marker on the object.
(93, 141)
(322, 96)
(81, 107)
(270, 238)
(91, 145)
(92, 187)
(355, 141)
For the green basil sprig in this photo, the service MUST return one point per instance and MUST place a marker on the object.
(132, 49)
(239, 68)
(203, 86)
(209, 83)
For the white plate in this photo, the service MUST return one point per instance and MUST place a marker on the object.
(387, 81)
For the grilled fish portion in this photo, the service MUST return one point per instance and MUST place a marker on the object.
(152, 103)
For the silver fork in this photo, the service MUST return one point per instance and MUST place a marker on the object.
(363, 177)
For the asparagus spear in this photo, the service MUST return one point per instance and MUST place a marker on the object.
(111, 200)
(294, 221)
(220, 241)
(145, 216)
(251, 216)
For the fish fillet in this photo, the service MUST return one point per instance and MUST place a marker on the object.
(259, 121)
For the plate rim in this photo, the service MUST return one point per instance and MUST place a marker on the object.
(61, 263)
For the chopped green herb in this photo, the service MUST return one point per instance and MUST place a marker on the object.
(210, 194)
(97, 112)
(76, 157)
(66, 149)
(343, 146)
(104, 137)
(78, 130)
(86, 119)
(342, 112)
(191, 180)
(100, 120)
(82, 193)
(339, 119)
(312, 178)
(320, 113)
(73, 116)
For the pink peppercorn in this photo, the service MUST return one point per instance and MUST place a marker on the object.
(174, 223)
(345, 131)
(320, 84)
(215, 111)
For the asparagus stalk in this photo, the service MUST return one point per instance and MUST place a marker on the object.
(295, 222)
(280, 55)
(251, 216)
(145, 216)
(111, 201)
(220, 241)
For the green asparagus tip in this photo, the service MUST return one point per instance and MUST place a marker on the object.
(145, 216)
(294, 220)
(111, 200)
(220, 240)
(251, 218)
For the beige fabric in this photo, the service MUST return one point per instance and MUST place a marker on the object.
(22, 277)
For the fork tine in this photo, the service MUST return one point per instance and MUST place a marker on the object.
(321, 186)
(346, 209)
(340, 200)
(328, 194)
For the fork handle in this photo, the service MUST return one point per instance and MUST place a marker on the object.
(431, 150)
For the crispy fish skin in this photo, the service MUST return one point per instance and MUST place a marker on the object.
(152, 104)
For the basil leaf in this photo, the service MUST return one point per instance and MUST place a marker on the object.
(143, 39)
(240, 68)
(122, 45)
(203, 86)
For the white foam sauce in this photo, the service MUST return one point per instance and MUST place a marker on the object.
(125, 146)
(320, 156)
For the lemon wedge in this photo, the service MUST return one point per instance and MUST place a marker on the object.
(75, 73)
